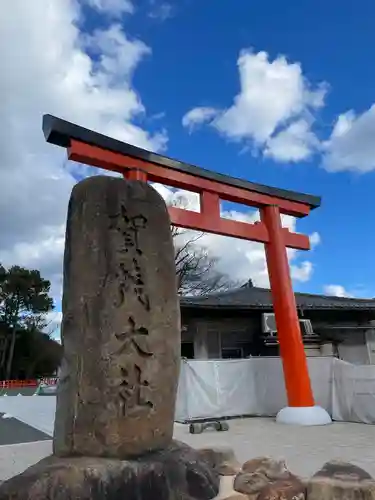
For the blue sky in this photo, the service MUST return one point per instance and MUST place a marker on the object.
(279, 94)
(194, 62)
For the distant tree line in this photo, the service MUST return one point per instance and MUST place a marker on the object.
(26, 350)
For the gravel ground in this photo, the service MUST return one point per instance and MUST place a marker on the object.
(304, 448)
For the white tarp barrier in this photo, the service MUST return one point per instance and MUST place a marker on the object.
(255, 386)
(353, 392)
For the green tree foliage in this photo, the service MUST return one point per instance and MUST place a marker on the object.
(36, 355)
(24, 303)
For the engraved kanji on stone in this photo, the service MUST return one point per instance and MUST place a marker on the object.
(129, 412)
(129, 228)
(130, 277)
(131, 388)
(136, 336)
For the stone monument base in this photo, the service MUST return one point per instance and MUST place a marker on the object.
(177, 472)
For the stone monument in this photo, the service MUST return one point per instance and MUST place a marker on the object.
(121, 338)
(121, 323)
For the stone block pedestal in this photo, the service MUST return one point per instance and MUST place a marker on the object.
(177, 472)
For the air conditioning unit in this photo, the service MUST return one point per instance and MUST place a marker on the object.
(270, 340)
(269, 324)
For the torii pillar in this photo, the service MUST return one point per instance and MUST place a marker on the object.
(91, 148)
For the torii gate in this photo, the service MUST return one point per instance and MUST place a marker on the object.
(86, 146)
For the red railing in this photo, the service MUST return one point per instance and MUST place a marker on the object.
(10, 384)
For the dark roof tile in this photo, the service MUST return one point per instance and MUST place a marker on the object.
(260, 298)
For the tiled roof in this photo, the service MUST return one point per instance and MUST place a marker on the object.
(260, 298)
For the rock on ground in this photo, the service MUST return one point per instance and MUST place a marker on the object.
(271, 468)
(222, 459)
(264, 478)
(341, 481)
(177, 472)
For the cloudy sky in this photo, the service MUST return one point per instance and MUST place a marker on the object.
(281, 94)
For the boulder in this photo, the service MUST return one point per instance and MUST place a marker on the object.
(266, 478)
(271, 468)
(250, 483)
(222, 459)
(338, 480)
(177, 472)
(284, 489)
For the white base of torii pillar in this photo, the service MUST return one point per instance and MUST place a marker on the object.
(304, 415)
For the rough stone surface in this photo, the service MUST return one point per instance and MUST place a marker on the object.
(237, 496)
(340, 480)
(222, 459)
(284, 489)
(269, 478)
(176, 473)
(269, 467)
(250, 483)
(228, 469)
(121, 323)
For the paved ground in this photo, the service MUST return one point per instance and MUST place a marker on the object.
(304, 448)
(13, 431)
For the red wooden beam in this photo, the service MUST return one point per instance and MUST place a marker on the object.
(208, 220)
(224, 227)
(116, 162)
(236, 229)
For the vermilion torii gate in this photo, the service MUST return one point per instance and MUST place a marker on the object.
(86, 146)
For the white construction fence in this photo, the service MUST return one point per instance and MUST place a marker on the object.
(255, 387)
(233, 388)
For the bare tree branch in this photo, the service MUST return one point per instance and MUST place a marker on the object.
(196, 268)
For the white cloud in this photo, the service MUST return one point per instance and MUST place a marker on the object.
(47, 69)
(198, 116)
(315, 239)
(302, 272)
(336, 290)
(239, 259)
(118, 56)
(45, 253)
(355, 291)
(295, 143)
(115, 8)
(160, 10)
(352, 145)
(274, 109)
